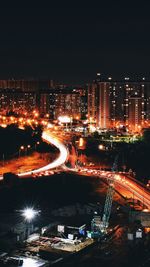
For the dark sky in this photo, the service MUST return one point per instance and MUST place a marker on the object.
(71, 44)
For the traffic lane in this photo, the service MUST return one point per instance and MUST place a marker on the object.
(125, 185)
(132, 187)
(137, 190)
(62, 158)
(63, 155)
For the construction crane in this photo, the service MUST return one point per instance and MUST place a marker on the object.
(98, 225)
(109, 197)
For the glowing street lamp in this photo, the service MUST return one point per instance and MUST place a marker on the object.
(36, 144)
(29, 214)
(101, 147)
(21, 149)
(47, 115)
(27, 148)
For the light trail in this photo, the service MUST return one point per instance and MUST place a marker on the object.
(63, 155)
(141, 193)
(122, 180)
(136, 189)
(125, 182)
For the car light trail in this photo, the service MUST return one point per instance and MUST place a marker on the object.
(133, 187)
(125, 182)
(130, 185)
(63, 155)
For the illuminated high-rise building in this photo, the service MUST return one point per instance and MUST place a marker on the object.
(117, 105)
(17, 101)
(68, 104)
(108, 101)
(44, 103)
(104, 105)
(99, 104)
(135, 113)
(93, 103)
(23, 95)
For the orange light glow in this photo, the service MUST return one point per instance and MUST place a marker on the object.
(101, 147)
(81, 141)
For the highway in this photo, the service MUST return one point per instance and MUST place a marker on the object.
(63, 155)
(124, 184)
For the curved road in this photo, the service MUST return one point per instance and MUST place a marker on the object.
(121, 180)
(63, 155)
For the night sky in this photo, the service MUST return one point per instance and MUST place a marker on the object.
(71, 44)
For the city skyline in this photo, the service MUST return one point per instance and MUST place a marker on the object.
(103, 104)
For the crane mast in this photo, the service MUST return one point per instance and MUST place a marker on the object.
(98, 225)
(109, 197)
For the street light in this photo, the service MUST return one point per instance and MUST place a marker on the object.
(36, 144)
(101, 147)
(29, 214)
(21, 149)
(27, 148)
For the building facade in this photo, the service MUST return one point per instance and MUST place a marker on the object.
(109, 101)
(135, 113)
(68, 104)
(93, 103)
(104, 105)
